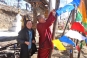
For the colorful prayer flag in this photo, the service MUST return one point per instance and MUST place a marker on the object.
(77, 26)
(68, 8)
(82, 12)
(75, 35)
(85, 26)
(79, 17)
(64, 9)
(58, 44)
(67, 40)
(76, 2)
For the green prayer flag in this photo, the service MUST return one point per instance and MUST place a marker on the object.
(79, 17)
(85, 26)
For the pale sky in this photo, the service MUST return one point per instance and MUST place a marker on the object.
(62, 3)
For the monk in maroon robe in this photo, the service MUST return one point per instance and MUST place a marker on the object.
(45, 35)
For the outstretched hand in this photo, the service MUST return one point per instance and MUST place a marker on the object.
(53, 12)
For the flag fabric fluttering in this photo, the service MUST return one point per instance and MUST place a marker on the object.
(67, 40)
(75, 35)
(58, 44)
(78, 17)
(81, 14)
(76, 2)
(68, 8)
(77, 26)
(82, 10)
(85, 26)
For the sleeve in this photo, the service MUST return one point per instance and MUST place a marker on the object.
(51, 18)
(20, 38)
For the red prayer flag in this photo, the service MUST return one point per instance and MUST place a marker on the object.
(77, 26)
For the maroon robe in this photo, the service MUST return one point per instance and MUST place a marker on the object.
(45, 37)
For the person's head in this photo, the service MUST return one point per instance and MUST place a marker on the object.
(28, 24)
(41, 19)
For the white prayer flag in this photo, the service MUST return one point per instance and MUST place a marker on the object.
(75, 35)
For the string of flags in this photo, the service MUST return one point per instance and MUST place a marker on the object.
(76, 29)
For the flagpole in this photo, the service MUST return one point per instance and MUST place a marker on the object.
(66, 23)
(55, 23)
(73, 19)
(71, 51)
(80, 49)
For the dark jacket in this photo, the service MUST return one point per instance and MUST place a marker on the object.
(22, 37)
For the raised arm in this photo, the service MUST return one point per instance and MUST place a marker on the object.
(51, 18)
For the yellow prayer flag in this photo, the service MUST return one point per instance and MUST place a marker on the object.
(82, 10)
(58, 44)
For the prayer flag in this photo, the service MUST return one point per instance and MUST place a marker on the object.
(66, 8)
(67, 40)
(77, 26)
(75, 35)
(58, 44)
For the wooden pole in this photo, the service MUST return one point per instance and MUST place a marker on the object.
(72, 14)
(77, 41)
(34, 16)
(55, 23)
(79, 54)
(71, 51)
(73, 19)
(80, 49)
(50, 8)
(50, 5)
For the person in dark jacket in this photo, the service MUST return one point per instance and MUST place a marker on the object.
(26, 38)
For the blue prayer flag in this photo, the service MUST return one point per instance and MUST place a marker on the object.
(66, 40)
(69, 7)
(66, 8)
(76, 2)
